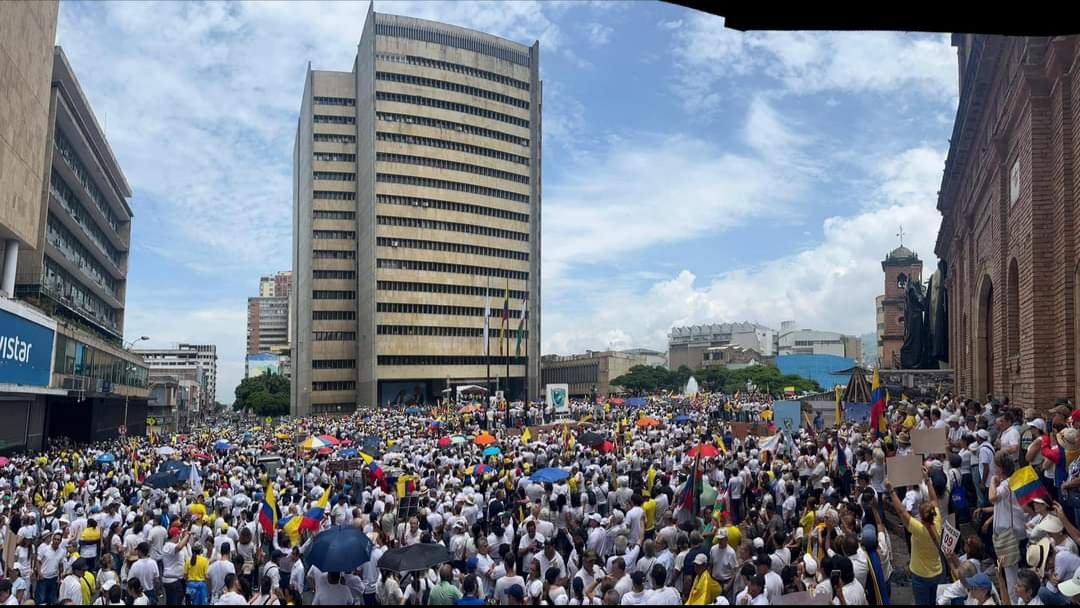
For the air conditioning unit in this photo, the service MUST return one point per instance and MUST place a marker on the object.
(393, 243)
(425, 204)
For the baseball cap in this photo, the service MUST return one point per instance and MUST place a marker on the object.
(1070, 587)
(174, 532)
(980, 581)
(1038, 423)
(516, 592)
(701, 559)
(109, 584)
(759, 543)
(982, 434)
(810, 564)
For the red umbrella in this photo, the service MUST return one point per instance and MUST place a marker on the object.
(326, 451)
(607, 447)
(268, 446)
(346, 443)
(202, 456)
(444, 442)
(706, 451)
(330, 439)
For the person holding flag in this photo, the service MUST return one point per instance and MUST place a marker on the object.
(877, 407)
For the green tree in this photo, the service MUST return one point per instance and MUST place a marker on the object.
(644, 379)
(264, 395)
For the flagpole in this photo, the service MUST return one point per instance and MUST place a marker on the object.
(506, 340)
(487, 338)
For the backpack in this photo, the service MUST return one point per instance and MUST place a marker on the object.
(958, 502)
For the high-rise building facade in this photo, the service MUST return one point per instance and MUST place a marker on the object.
(417, 194)
(183, 360)
(268, 325)
(276, 285)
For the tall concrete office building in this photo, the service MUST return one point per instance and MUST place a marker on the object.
(416, 182)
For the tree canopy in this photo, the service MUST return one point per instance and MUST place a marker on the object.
(263, 395)
(644, 379)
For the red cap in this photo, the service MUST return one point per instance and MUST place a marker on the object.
(174, 532)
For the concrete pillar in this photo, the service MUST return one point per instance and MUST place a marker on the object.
(11, 257)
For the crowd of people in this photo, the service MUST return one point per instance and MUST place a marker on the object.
(674, 501)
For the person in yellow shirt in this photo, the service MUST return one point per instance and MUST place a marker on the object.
(198, 510)
(649, 506)
(705, 589)
(195, 572)
(925, 565)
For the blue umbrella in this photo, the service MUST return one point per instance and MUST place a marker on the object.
(492, 451)
(412, 410)
(682, 419)
(549, 475)
(162, 480)
(348, 453)
(222, 446)
(106, 458)
(339, 550)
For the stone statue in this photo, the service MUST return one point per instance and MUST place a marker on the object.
(913, 352)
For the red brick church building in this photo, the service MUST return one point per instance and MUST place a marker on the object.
(1010, 234)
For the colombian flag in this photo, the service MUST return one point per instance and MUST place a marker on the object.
(268, 515)
(1026, 486)
(877, 406)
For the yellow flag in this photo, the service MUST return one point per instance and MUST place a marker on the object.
(705, 590)
(526, 436)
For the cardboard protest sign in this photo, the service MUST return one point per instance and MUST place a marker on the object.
(904, 470)
(929, 441)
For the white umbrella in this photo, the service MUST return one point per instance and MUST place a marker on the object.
(165, 451)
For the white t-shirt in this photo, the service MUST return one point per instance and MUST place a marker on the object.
(635, 520)
(146, 570)
(231, 598)
(854, 595)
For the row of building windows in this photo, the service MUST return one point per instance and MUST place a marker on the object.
(410, 222)
(324, 254)
(428, 102)
(332, 408)
(76, 295)
(67, 199)
(441, 309)
(383, 241)
(463, 290)
(334, 176)
(333, 336)
(61, 238)
(333, 315)
(449, 332)
(469, 42)
(443, 360)
(322, 214)
(335, 157)
(334, 120)
(450, 165)
(412, 201)
(331, 195)
(332, 294)
(334, 138)
(334, 274)
(576, 374)
(73, 358)
(450, 145)
(347, 235)
(63, 146)
(333, 363)
(425, 182)
(334, 101)
(436, 123)
(454, 67)
(453, 268)
(452, 86)
(339, 385)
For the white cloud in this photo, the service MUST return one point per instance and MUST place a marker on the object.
(598, 33)
(830, 286)
(708, 54)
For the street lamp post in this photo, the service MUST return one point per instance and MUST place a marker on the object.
(128, 368)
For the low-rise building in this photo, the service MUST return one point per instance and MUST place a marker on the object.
(588, 374)
(733, 356)
(688, 345)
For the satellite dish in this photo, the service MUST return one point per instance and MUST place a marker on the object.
(691, 387)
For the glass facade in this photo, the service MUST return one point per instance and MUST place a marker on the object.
(73, 358)
(71, 292)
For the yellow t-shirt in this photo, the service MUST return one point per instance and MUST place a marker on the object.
(909, 422)
(925, 561)
(649, 506)
(807, 524)
(198, 510)
(89, 585)
(196, 573)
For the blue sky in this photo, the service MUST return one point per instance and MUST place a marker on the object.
(692, 174)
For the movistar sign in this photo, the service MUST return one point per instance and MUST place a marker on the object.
(26, 351)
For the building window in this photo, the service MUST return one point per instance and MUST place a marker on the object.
(436, 123)
(409, 222)
(453, 67)
(63, 146)
(333, 315)
(333, 274)
(323, 254)
(440, 309)
(340, 385)
(463, 290)
(469, 42)
(452, 268)
(65, 242)
(1014, 182)
(70, 291)
(447, 332)
(334, 157)
(334, 138)
(334, 120)
(330, 294)
(443, 144)
(334, 101)
(429, 102)
(333, 363)
(449, 165)
(424, 182)
(452, 86)
(334, 336)
(320, 214)
(344, 235)
(67, 199)
(334, 176)
(330, 195)
(425, 203)
(384, 241)
(449, 360)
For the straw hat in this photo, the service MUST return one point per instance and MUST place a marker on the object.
(905, 437)
(1069, 439)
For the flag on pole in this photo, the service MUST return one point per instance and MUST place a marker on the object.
(877, 406)
(505, 342)
(487, 320)
(689, 497)
(839, 408)
(521, 327)
(1026, 485)
(268, 515)
(526, 436)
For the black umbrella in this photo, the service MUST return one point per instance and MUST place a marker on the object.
(413, 558)
(181, 470)
(339, 550)
(162, 480)
(591, 439)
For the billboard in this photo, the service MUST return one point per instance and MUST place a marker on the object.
(26, 348)
(261, 363)
(558, 396)
(787, 415)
